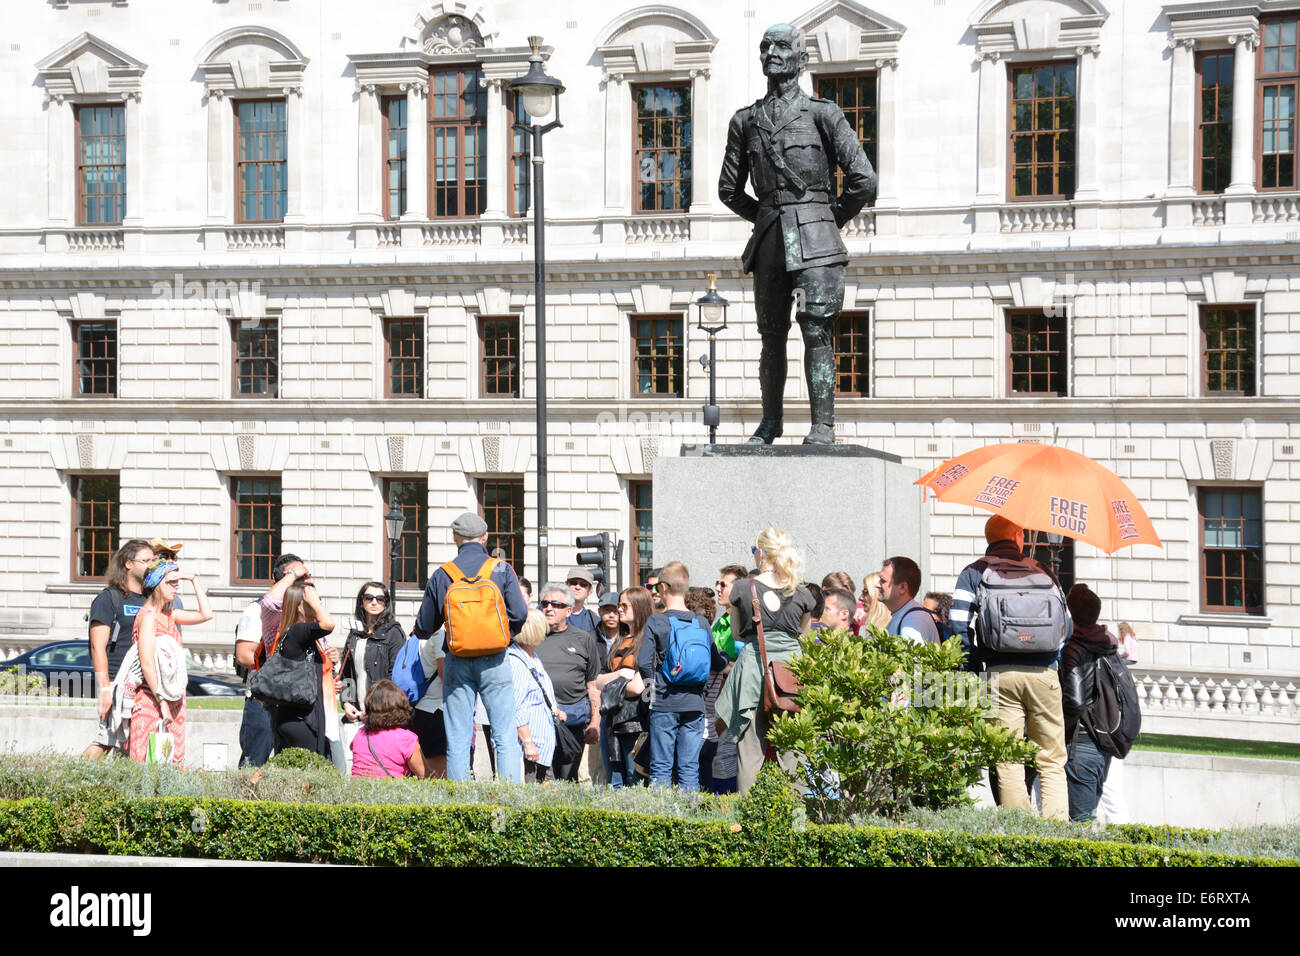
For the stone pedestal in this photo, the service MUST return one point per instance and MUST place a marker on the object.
(846, 507)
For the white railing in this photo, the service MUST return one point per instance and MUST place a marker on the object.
(515, 233)
(1018, 217)
(389, 236)
(658, 229)
(95, 240)
(1275, 209)
(1218, 695)
(861, 226)
(251, 238)
(1207, 212)
(450, 234)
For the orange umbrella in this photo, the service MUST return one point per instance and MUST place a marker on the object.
(1047, 488)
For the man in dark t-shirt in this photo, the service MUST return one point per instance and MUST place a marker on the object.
(112, 620)
(572, 660)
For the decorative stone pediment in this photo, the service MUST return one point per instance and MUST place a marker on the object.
(655, 39)
(251, 58)
(88, 66)
(442, 29)
(839, 31)
(1025, 26)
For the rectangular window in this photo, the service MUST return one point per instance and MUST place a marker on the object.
(1214, 122)
(1278, 72)
(500, 349)
(642, 535)
(404, 344)
(1232, 549)
(457, 142)
(261, 161)
(657, 355)
(255, 528)
(852, 337)
(1041, 552)
(1228, 349)
(256, 352)
(1042, 130)
(101, 165)
(411, 495)
(1037, 353)
(394, 108)
(521, 164)
(96, 501)
(96, 344)
(855, 95)
(662, 153)
(501, 502)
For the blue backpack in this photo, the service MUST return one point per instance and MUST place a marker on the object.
(408, 673)
(687, 659)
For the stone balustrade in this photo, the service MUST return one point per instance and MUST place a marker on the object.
(1024, 217)
(1276, 208)
(658, 229)
(1208, 212)
(252, 238)
(95, 240)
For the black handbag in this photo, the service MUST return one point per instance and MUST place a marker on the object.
(284, 683)
(567, 748)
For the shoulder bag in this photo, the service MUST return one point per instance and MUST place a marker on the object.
(779, 685)
(287, 683)
(567, 750)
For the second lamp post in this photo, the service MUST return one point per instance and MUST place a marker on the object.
(539, 93)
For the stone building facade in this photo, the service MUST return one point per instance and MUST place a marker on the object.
(261, 262)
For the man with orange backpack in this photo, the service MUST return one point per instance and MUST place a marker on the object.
(478, 600)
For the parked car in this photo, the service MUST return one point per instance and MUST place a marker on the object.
(65, 665)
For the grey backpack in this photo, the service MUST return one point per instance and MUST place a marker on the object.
(1022, 610)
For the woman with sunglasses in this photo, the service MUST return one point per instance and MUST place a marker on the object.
(158, 699)
(368, 654)
(618, 739)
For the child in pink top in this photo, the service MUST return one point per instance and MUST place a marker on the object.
(385, 748)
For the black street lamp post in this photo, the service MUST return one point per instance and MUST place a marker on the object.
(394, 522)
(539, 93)
(713, 311)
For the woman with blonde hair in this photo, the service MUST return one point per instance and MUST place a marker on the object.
(785, 607)
(535, 710)
(871, 608)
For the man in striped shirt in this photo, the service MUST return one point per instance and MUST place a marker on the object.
(1026, 687)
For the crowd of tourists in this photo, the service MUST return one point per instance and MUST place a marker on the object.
(662, 683)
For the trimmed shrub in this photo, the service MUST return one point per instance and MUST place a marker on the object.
(485, 836)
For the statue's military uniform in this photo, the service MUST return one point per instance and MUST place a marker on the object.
(789, 148)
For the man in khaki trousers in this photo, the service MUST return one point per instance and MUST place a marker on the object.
(1026, 687)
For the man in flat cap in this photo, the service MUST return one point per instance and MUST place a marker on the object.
(788, 145)
(476, 642)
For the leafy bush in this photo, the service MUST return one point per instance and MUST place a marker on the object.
(889, 724)
(296, 758)
(14, 682)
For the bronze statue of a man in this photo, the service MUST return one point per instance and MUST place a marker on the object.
(789, 145)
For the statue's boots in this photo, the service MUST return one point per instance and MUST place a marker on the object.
(772, 365)
(768, 431)
(819, 364)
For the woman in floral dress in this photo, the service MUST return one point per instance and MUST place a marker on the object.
(152, 703)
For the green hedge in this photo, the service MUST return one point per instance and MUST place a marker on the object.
(486, 836)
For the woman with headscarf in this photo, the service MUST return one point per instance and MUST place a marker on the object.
(785, 607)
(158, 696)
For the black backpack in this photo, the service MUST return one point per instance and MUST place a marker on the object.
(1114, 720)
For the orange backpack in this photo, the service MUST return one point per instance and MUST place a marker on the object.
(475, 612)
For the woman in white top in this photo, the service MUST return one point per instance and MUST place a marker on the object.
(535, 710)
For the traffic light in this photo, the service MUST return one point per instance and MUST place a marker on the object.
(597, 560)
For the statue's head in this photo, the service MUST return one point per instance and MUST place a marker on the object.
(782, 51)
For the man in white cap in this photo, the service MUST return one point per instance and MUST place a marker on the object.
(481, 672)
(581, 584)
